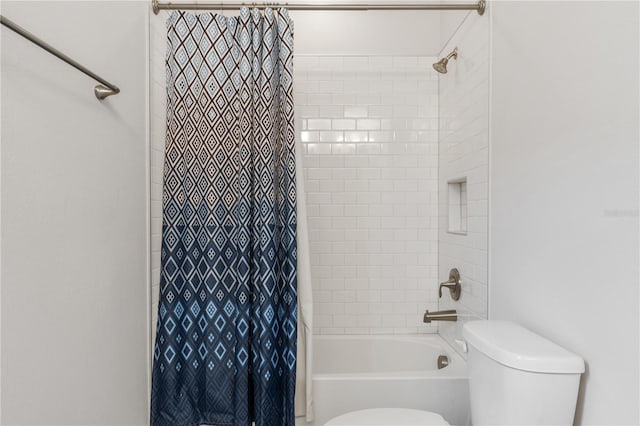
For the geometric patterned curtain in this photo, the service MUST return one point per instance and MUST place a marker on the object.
(225, 349)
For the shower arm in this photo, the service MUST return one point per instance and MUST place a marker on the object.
(453, 54)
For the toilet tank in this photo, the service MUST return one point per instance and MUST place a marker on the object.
(517, 377)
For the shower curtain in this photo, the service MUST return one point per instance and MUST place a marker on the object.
(225, 351)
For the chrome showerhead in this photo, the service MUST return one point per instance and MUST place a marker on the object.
(441, 65)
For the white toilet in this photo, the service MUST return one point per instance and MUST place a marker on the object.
(515, 378)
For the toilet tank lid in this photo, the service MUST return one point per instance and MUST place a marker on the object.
(512, 345)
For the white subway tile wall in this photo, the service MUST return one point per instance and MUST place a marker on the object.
(369, 132)
(464, 136)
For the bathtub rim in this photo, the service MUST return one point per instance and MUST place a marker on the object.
(457, 368)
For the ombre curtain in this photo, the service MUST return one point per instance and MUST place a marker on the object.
(225, 350)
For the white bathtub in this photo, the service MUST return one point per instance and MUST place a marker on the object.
(400, 371)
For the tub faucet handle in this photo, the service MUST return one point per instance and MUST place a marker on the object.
(453, 284)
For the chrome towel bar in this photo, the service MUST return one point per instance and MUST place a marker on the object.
(101, 90)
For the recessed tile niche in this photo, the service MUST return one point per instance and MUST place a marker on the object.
(457, 206)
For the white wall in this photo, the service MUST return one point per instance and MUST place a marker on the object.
(74, 217)
(401, 33)
(463, 154)
(450, 22)
(368, 126)
(564, 188)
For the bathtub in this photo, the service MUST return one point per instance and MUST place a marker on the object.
(398, 371)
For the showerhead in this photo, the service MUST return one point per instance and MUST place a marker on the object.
(441, 65)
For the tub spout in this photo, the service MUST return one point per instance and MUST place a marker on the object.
(448, 315)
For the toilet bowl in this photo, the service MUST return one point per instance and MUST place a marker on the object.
(388, 417)
(516, 377)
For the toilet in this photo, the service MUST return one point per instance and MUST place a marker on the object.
(516, 377)
(387, 417)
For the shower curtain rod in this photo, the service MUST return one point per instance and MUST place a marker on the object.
(220, 5)
(101, 90)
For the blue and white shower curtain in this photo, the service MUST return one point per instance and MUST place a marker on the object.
(225, 350)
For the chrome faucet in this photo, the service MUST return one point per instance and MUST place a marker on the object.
(448, 315)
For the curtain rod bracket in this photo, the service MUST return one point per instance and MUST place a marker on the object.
(482, 6)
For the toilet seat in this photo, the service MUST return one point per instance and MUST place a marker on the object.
(388, 417)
